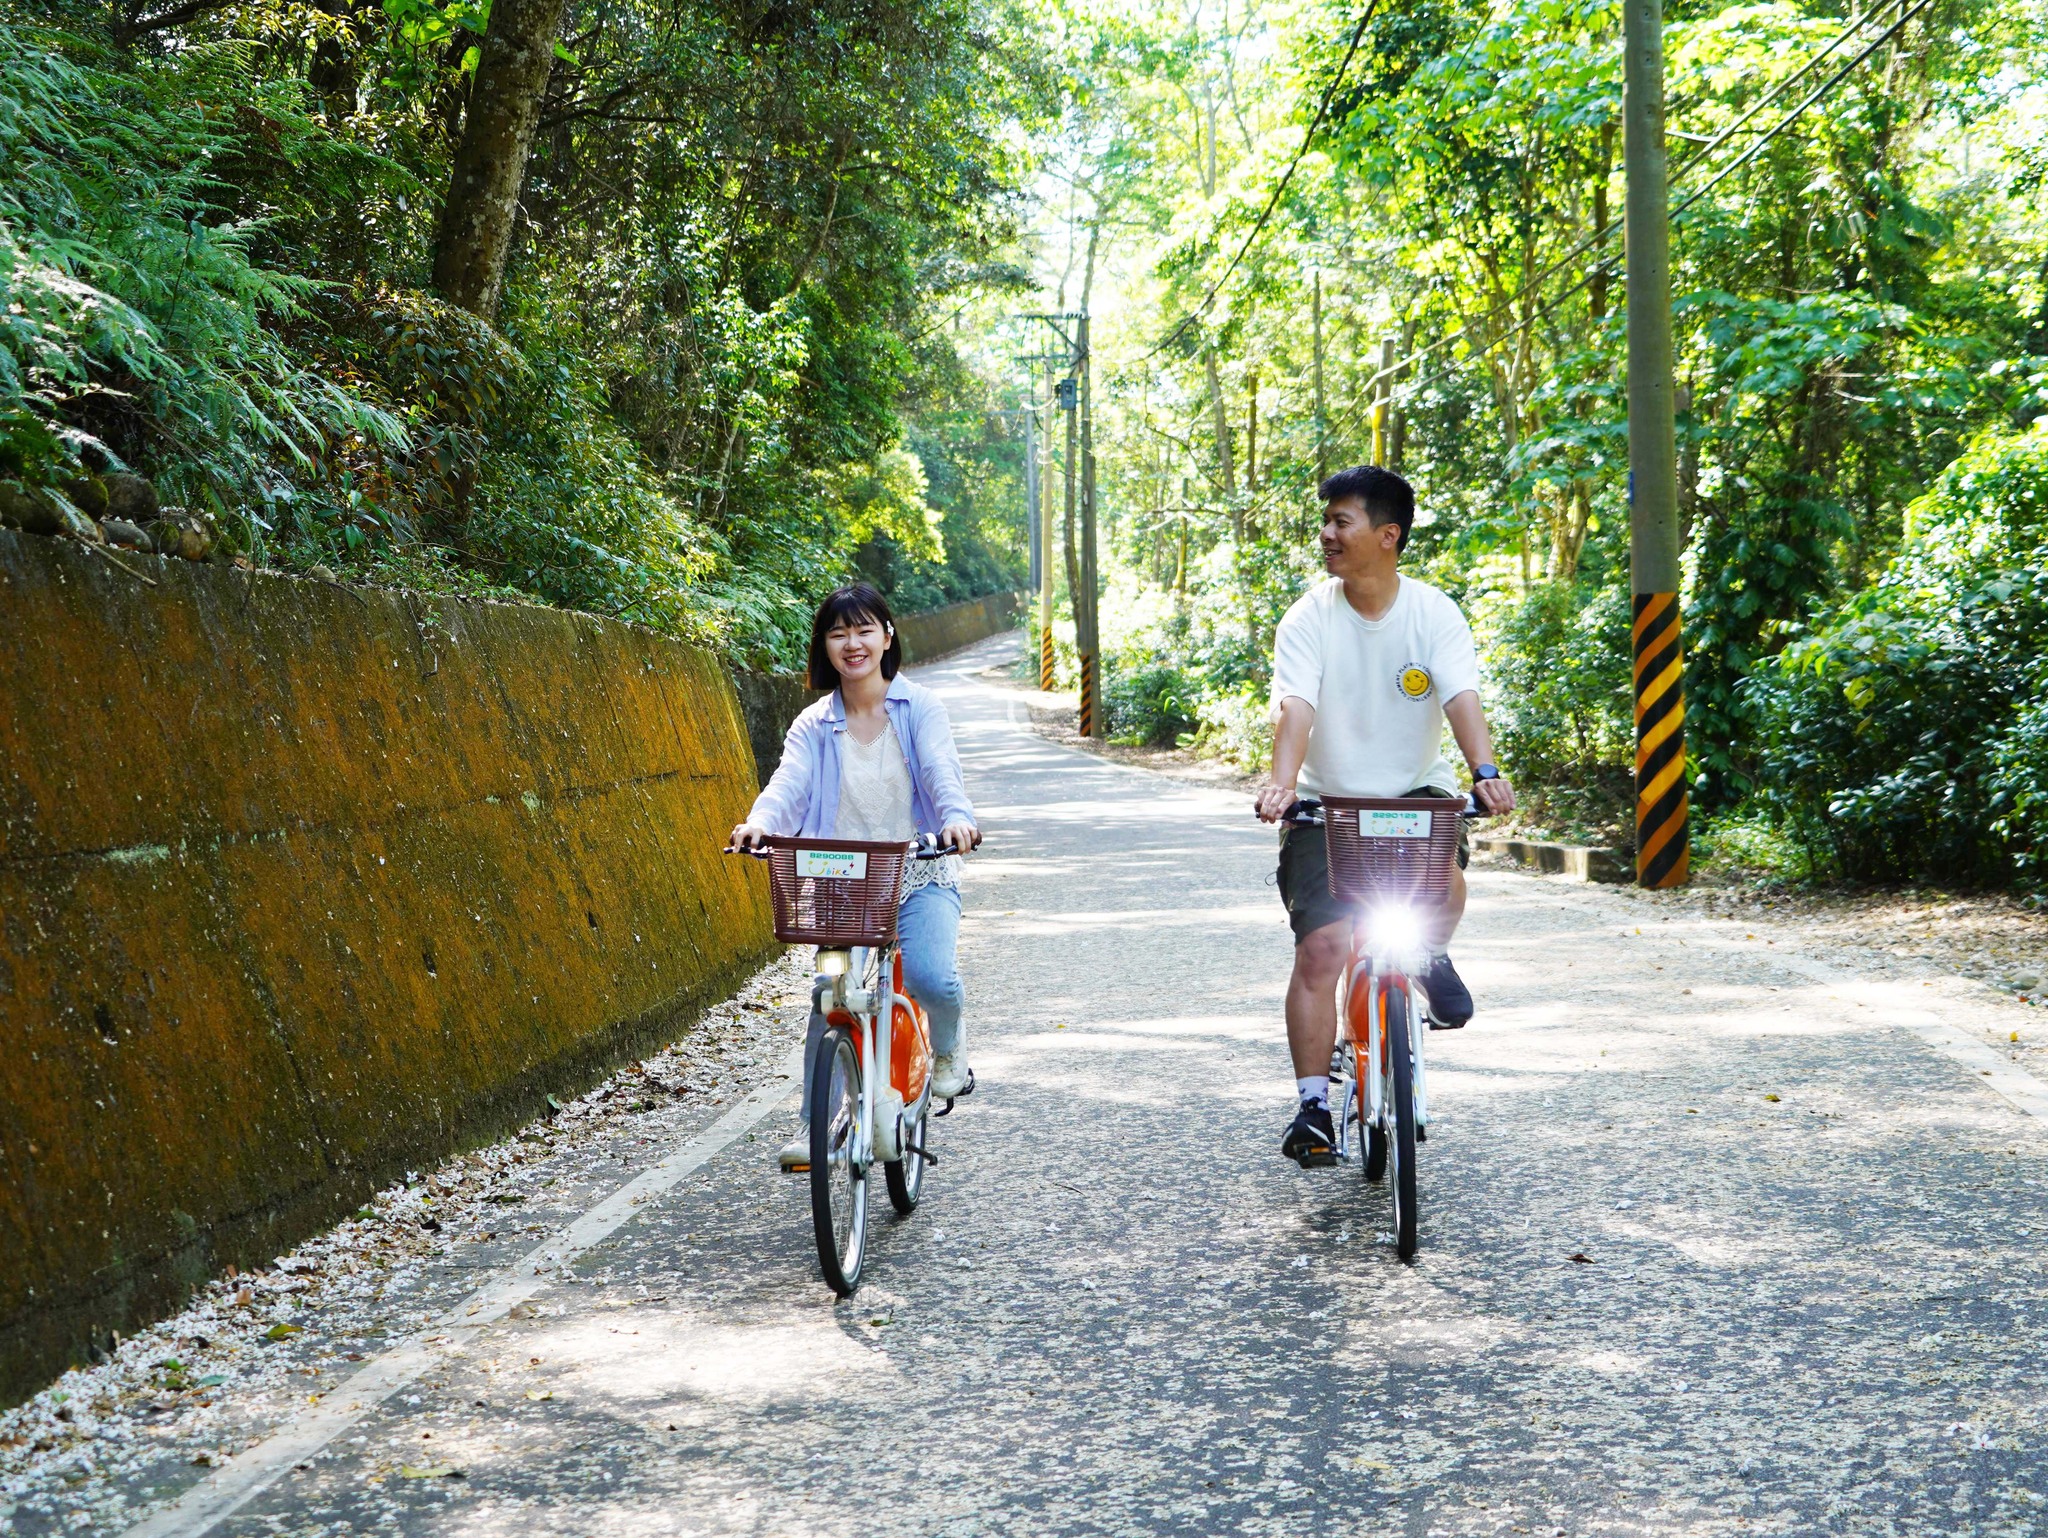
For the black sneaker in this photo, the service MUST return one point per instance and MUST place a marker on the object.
(1450, 1001)
(1311, 1141)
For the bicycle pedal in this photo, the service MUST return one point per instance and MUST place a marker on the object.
(1422, 1134)
(796, 1169)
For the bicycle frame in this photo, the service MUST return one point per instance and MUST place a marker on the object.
(896, 1034)
(1361, 1009)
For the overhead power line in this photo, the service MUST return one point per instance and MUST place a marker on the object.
(1599, 237)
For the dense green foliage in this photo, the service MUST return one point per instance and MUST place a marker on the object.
(1858, 295)
(755, 338)
(1908, 734)
(715, 385)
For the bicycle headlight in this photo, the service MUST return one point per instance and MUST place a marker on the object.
(832, 963)
(1395, 929)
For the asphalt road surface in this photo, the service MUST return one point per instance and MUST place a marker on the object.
(1714, 1240)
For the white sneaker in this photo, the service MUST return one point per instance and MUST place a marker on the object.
(795, 1157)
(950, 1076)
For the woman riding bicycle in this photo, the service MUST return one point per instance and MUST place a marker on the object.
(874, 759)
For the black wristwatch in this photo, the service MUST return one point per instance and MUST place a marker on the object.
(1485, 772)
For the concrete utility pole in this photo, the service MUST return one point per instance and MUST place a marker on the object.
(1068, 366)
(1087, 639)
(1042, 512)
(1662, 847)
(1031, 529)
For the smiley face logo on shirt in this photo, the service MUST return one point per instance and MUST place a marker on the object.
(1414, 682)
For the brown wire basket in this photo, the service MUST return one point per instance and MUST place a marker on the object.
(835, 891)
(1391, 848)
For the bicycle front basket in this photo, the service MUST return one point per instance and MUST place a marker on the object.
(1398, 849)
(835, 891)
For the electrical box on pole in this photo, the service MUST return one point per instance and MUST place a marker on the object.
(1662, 847)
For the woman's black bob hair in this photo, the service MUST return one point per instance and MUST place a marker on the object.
(853, 603)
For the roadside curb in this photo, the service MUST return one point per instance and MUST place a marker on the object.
(1578, 861)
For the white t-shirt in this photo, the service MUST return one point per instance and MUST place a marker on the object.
(1378, 687)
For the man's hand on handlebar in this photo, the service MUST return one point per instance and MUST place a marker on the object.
(1495, 796)
(1272, 802)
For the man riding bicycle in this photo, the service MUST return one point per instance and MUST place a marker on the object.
(1367, 667)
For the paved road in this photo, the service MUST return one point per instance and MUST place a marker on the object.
(1121, 1313)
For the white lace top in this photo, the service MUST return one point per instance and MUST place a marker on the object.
(874, 803)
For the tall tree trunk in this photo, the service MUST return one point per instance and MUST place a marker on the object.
(490, 164)
(1596, 299)
(1226, 459)
(1251, 432)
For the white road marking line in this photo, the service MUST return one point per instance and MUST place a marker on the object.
(2008, 1080)
(249, 1474)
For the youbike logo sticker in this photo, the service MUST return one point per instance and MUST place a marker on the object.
(1393, 824)
(831, 864)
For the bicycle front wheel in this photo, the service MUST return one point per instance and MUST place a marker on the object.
(1401, 1144)
(839, 1187)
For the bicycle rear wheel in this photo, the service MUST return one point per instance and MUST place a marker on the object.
(839, 1189)
(1401, 1145)
(905, 1176)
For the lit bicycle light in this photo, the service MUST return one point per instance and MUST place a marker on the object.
(832, 963)
(1395, 929)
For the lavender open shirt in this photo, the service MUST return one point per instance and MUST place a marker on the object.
(802, 798)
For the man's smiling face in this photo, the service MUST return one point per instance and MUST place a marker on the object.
(1352, 543)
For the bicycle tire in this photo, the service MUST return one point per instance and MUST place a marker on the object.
(1372, 1142)
(839, 1190)
(905, 1176)
(1401, 1146)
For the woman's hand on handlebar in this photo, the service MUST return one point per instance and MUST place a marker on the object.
(961, 837)
(1272, 802)
(747, 836)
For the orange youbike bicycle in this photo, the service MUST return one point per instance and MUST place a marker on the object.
(1390, 862)
(841, 895)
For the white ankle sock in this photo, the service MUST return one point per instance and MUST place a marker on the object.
(1315, 1087)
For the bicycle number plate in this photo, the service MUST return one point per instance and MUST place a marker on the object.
(832, 864)
(1393, 824)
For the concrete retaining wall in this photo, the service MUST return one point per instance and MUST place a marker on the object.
(936, 632)
(769, 702)
(302, 886)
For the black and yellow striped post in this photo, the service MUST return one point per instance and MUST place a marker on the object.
(1663, 855)
(1663, 851)
(1045, 679)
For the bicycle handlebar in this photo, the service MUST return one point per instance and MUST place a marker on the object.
(1308, 812)
(925, 846)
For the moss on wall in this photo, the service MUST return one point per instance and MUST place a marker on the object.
(301, 886)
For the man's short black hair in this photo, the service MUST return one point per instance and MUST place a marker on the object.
(1386, 497)
(850, 605)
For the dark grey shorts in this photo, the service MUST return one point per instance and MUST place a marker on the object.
(1305, 874)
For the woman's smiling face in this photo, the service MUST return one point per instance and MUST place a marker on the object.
(855, 645)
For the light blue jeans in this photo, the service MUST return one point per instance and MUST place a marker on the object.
(928, 929)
